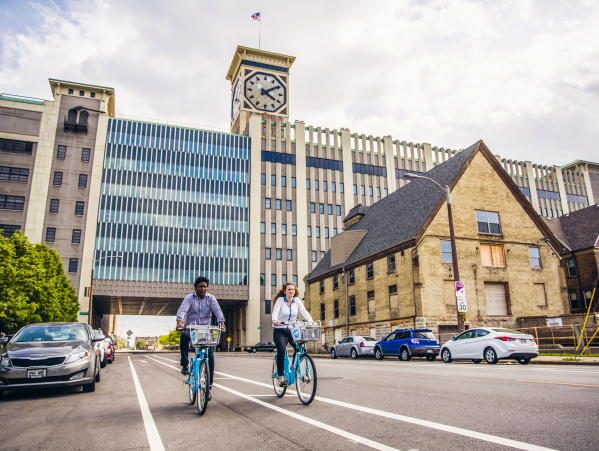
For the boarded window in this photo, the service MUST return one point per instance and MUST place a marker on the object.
(540, 294)
(370, 296)
(492, 255)
(496, 299)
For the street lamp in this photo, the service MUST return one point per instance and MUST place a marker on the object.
(454, 256)
(91, 286)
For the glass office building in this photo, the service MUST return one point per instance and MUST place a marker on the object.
(174, 205)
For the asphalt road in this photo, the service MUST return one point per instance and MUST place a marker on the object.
(360, 404)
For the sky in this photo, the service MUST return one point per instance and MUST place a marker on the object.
(522, 75)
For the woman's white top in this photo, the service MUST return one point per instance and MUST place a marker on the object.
(285, 313)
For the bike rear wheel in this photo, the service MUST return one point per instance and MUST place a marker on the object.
(279, 391)
(203, 387)
(305, 379)
(192, 383)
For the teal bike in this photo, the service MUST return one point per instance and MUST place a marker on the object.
(302, 371)
(198, 379)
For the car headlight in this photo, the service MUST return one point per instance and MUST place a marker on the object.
(73, 357)
(4, 360)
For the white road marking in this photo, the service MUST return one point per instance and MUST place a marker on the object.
(151, 430)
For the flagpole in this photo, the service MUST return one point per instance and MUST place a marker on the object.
(259, 30)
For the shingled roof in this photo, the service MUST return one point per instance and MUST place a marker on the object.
(400, 216)
(578, 230)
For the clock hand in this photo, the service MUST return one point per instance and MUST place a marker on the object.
(274, 87)
(264, 91)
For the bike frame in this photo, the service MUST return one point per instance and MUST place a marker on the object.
(290, 370)
(201, 353)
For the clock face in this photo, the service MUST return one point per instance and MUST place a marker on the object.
(236, 101)
(265, 92)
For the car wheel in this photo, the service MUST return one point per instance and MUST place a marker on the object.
(110, 360)
(378, 354)
(431, 358)
(446, 355)
(404, 354)
(477, 360)
(354, 353)
(254, 350)
(103, 363)
(491, 355)
(525, 361)
(97, 378)
(333, 354)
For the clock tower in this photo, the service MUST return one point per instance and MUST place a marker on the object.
(259, 86)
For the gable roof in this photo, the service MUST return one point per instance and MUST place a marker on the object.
(403, 215)
(578, 230)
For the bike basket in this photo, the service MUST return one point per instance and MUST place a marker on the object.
(204, 335)
(305, 332)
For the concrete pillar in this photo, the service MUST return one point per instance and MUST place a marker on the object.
(348, 180)
(301, 201)
(428, 157)
(562, 189)
(390, 164)
(534, 198)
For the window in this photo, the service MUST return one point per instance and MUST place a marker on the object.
(385, 192)
(351, 279)
(292, 182)
(330, 209)
(273, 228)
(283, 279)
(293, 230)
(312, 207)
(92, 94)
(289, 255)
(370, 296)
(317, 231)
(81, 93)
(273, 280)
(393, 304)
(50, 234)
(262, 227)
(321, 208)
(70, 91)
(535, 257)
(586, 294)
(54, 205)
(278, 204)
(263, 179)
(488, 222)
(307, 183)
(76, 238)
(378, 192)
(73, 263)
(352, 306)
(267, 253)
(322, 312)
(338, 209)
(321, 286)
(79, 206)
(288, 203)
(539, 294)
(341, 188)
(294, 279)
(333, 187)
(309, 230)
(322, 254)
(262, 279)
(391, 263)
(356, 190)
(57, 178)
(446, 252)
(283, 180)
(571, 267)
(279, 254)
(326, 232)
(273, 180)
(267, 307)
(335, 282)
(85, 154)
(13, 146)
(267, 203)
(336, 308)
(283, 229)
(316, 185)
(369, 271)
(11, 174)
(82, 181)
(573, 300)
(370, 191)
(314, 256)
(492, 255)
(9, 230)
(334, 231)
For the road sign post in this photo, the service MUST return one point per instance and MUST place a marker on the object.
(228, 343)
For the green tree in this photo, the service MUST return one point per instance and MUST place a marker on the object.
(174, 337)
(141, 344)
(33, 285)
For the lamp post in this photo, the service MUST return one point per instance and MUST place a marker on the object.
(91, 286)
(454, 256)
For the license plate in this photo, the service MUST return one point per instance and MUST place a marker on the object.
(36, 374)
(523, 342)
(429, 351)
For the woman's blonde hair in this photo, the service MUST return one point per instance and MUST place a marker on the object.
(281, 292)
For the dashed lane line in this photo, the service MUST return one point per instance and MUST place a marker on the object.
(151, 430)
(559, 383)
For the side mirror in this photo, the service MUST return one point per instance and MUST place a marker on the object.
(97, 338)
(452, 338)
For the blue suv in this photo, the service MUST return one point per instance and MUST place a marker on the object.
(408, 343)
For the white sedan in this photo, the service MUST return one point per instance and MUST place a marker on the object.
(491, 344)
(353, 347)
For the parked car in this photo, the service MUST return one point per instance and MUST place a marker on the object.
(101, 346)
(491, 344)
(109, 349)
(49, 355)
(408, 343)
(5, 340)
(353, 346)
(267, 346)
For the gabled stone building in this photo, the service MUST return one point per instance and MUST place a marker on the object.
(392, 266)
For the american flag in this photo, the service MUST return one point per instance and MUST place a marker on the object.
(256, 16)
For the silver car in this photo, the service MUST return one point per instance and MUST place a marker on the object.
(49, 355)
(353, 347)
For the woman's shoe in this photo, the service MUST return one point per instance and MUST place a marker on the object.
(282, 384)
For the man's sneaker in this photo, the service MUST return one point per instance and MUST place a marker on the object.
(185, 370)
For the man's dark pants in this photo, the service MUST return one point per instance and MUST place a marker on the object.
(184, 346)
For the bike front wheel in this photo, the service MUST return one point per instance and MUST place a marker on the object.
(203, 388)
(192, 383)
(279, 391)
(305, 379)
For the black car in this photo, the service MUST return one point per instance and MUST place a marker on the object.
(268, 346)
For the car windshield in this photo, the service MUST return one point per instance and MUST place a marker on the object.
(507, 331)
(369, 339)
(425, 335)
(50, 333)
